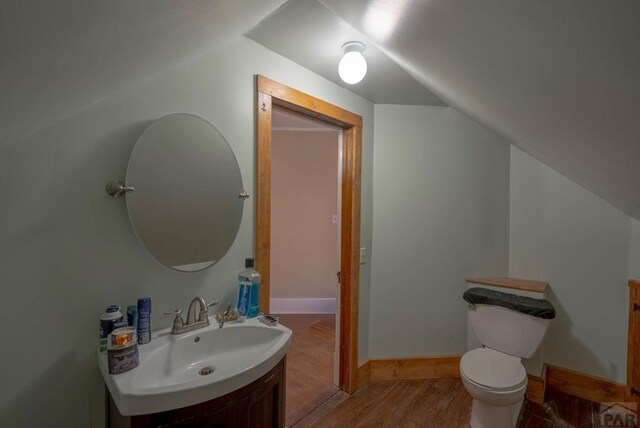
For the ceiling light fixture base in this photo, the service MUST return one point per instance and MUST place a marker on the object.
(353, 47)
(352, 67)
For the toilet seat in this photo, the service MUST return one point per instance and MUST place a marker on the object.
(493, 370)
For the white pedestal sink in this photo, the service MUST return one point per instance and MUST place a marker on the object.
(181, 370)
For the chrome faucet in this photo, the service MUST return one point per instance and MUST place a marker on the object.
(194, 321)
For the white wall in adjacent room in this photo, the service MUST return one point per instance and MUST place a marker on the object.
(304, 198)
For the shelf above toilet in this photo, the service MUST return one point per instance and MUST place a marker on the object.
(513, 283)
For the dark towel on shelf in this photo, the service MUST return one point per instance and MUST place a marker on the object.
(540, 308)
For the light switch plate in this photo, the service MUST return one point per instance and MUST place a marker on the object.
(363, 255)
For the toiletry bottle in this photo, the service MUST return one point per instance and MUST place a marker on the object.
(251, 278)
(132, 316)
(144, 320)
(122, 350)
(111, 316)
(243, 298)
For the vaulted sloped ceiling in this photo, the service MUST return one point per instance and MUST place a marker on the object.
(309, 34)
(58, 57)
(560, 78)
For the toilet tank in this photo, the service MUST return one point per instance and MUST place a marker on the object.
(506, 330)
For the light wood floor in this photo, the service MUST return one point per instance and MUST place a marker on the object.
(411, 403)
(437, 403)
(309, 363)
(312, 400)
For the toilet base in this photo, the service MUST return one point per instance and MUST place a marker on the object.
(484, 415)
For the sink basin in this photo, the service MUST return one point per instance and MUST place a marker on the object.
(181, 370)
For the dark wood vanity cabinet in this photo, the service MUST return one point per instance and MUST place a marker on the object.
(257, 405)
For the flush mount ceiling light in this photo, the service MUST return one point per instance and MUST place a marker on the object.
(352, 67)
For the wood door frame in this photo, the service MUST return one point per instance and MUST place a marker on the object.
(633, 333)
(269, 94)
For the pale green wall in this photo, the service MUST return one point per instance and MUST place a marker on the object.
(453, 199)
(441, 213)
(67, 249)
(569, 237)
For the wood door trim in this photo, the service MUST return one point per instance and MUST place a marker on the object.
(272, 93)
(633, 336)
(308, 105)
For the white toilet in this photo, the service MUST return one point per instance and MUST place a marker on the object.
(494, 374)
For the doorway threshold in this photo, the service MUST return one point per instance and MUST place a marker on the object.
(314, 410)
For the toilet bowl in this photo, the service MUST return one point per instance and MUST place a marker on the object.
(509, 327)
(497, 383)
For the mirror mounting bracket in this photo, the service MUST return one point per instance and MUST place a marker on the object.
(117, 188)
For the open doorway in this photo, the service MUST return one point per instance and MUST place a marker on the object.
(305, 254)
(272, 94)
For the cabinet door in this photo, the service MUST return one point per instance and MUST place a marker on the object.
(225, 417)
(264, 407)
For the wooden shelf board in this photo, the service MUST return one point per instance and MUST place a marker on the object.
(514, 283)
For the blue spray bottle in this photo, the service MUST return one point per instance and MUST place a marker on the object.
(249, 295)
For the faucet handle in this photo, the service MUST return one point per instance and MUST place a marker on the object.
(214, 303)
(170, 314)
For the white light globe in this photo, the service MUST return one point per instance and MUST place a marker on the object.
(352, 67)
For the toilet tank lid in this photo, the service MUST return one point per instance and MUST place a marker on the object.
(540, 308)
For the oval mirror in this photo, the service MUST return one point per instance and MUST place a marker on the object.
(187, 205)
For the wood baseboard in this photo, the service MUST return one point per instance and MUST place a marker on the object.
(431, 368)
(302, 306)
(414, 368)
(564, 380)
(536, 386)
(364, 374)
(585, 386)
